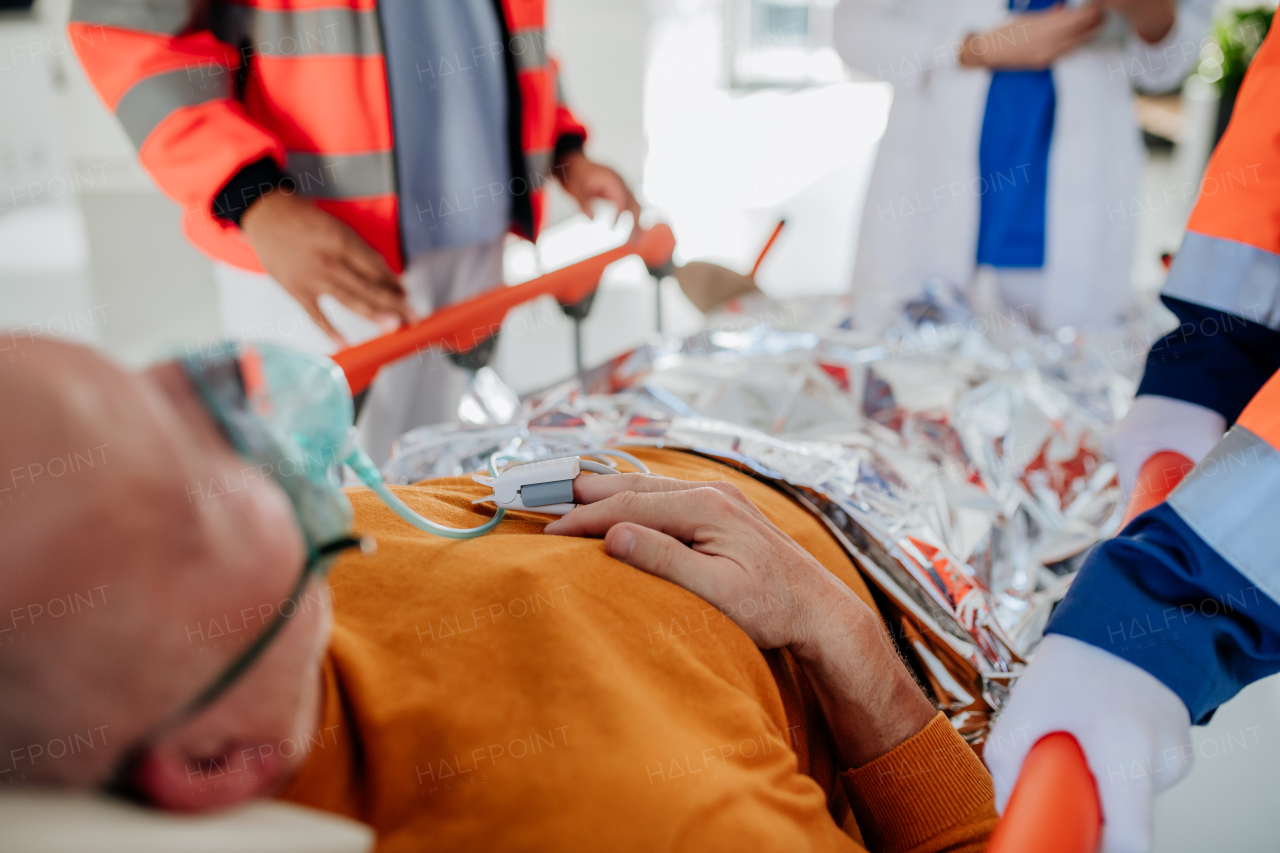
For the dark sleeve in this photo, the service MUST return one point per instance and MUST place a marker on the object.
(1213, 359)
(566, 144)
(246, 187)
(1159, 597)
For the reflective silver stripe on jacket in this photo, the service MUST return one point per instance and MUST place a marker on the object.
(529, 47)
(539, 163)
(1228, 276)
(305, 32)
(342, 176)
(1232, 501)
(152, 99)
(168, 17)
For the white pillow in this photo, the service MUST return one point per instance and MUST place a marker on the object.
(60, 822)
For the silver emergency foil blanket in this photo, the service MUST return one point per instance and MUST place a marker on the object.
(956, 457)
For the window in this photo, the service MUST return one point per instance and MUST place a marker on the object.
(780, 43)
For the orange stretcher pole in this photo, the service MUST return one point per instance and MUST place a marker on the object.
(1158, 477)
(460, 327)
(1054, 807)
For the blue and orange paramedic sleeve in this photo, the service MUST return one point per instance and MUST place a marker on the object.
(1224, 285)
(1189, 590)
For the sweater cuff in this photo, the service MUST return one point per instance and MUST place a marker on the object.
(931, 783)
(247, 186)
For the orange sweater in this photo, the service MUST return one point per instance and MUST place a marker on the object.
(528, 692)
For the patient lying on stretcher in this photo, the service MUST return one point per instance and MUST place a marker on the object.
(593, 683)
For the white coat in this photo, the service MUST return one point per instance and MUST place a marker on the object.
(921, 215)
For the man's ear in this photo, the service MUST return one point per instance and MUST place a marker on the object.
(173, 780)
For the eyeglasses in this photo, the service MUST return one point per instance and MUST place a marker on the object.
(231, 383)
(123, 780)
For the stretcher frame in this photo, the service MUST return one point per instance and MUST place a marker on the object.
(1054, 807)
(463, 326)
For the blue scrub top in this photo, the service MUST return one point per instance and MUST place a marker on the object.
(1013, 163)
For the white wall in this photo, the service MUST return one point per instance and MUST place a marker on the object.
(110, 248)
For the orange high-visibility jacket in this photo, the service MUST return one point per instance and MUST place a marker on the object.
(1230, 256)
(1224, 285)
(1169, 593)
(207, 87)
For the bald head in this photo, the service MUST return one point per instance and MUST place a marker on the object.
(110, 549)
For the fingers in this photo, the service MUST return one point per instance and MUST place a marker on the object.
(379, 281)
(379, 288)
(630, 205)
(365, 299)
(614, 190)
(361, 257)
(596, 488)
(680, 514)
(591, 181)
(584, 197)
(374, 282)
(312, 308)
(660, 555)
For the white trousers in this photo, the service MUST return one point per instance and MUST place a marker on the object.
(417, 390)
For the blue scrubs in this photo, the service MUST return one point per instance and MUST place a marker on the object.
(1013, 162)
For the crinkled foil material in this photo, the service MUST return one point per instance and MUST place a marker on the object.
(956, 457)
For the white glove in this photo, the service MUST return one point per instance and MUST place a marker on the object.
(1161, 423)
(1134, 731)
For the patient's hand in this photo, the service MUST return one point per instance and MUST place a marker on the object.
(711, 540)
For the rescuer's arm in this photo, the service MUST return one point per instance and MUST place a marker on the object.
(1033, 40)
(172, 84)
(1163, 624)
(1165, 45)
(1224, 287)
(582, 177)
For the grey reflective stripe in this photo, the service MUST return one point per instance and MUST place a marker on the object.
(152, 99)
(1232, 501)
(169, 17)
(539, 162)
(529, 47)
(306, 32)
(1228, 276)
(342, 176)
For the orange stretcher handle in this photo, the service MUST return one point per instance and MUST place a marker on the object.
(1054, 807)
(460, 327)
(1159, 476)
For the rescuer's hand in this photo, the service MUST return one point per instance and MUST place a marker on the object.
(1033, 41)
(587, 181)
(311, 253)
(1135, 732)
(711, 540)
